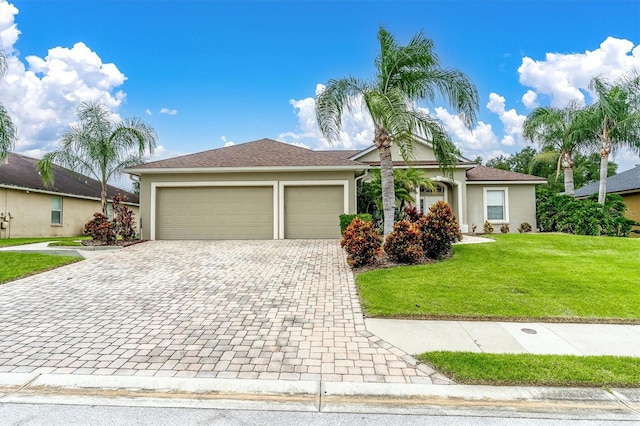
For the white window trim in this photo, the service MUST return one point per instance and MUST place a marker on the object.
(61, 211)
(506, 203)
(156, 185)
(345, 193)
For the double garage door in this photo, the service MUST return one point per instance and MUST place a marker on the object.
(247, 212)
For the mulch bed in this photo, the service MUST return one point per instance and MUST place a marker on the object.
(383, 261)
(92, 243)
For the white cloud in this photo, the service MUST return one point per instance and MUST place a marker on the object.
(42, 95)
(168, 111)
(565, 77)
(511, 120)
(529, 99)
(478, 139)
(148, 111)
(356, 133)
(223, 138)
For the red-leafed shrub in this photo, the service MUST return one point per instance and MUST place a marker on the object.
(404, 244)
(100, 229)
(439, 231)
(123, 218)
(361, 242)
(412, 214)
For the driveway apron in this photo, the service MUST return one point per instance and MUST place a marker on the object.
(283, 310)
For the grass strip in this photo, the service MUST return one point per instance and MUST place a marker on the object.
(19, 265)
(7, 242)
(536, 370)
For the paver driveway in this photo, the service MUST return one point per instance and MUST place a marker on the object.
(227, 309)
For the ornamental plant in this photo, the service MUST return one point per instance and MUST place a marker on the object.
(123, 218)
(100, 229)
(361, 241)
(524, 228)
(487, 227)
(504, 228)
(404, 243)
(439, 230)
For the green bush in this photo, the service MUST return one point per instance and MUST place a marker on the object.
(439, 230)
(346, 219)
(361, 242)
(404, 244)
(524, 228)
(563, 213)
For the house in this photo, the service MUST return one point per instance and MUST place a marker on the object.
(272, 190)
(28, 208)
(625, 184)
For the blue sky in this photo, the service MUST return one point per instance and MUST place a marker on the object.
(224, 71)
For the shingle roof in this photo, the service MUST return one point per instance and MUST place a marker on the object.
(622, 182)
(483, 173)
(20, 171)
(260, 153)
(342, 153)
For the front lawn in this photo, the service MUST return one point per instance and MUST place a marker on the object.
(548, 277)
(6, 242)
(14, 265)
(536, 370)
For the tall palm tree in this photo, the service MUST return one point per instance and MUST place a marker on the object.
(99, 147)
(7, 129)
(405, 76)
(614, 118)
(559, 132)
(405, 182)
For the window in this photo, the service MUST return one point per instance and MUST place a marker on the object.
(110, 211)
(496, 205)
(56, 210)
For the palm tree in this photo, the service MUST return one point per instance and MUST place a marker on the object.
(7, 129)
(405, 182)
(99, 147)
(559, 132)
(405, 76)
(614, 118)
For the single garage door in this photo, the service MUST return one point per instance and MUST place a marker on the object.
(214, 213)
(313, 211)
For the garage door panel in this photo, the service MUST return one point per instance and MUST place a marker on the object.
(214, 213)
(313, 211)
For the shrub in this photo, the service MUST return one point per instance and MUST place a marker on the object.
(563, 213)
(412, 214)
(439, 231)
(524, 228)
(346, 219)
(487, 227)
(123, 218)
(404, 244)
(473, 228)
(504, 228)
(100, 229)
(361, 242)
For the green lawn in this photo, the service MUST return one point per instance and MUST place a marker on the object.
(529, 276)
(536, 370)
(17, 265)
(6, 242)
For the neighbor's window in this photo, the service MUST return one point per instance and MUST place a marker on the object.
(56, 210)
(495, 200)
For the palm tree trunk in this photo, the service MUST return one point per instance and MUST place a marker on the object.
(567, 166)
(604, 163)
(103, 197)
(382, 141)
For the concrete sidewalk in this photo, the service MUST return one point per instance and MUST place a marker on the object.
(418, 336)
(81, 251)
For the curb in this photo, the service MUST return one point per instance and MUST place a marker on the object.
(315, 396)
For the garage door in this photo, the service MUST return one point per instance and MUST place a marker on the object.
(214, 213)
(313, 211)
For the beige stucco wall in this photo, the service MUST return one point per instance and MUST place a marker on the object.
(521, 204)
(147, 179)
(633, 209)
(420, 152)
(31, 214)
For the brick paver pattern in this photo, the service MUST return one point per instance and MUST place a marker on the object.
(283, 310)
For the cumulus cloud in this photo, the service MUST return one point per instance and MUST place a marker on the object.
(511, 120)
(565, 77)
(168, 111)
(223, 138)
(478, 139)
(529, 99)
(42, 94)
(148, 111)
(356, 133)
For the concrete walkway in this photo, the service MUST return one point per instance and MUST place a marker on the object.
(417, 336)
(82, 251)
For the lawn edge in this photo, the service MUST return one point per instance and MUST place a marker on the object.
(553, 320)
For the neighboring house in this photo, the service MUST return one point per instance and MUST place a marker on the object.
(272, 190)
(28, 208)
(625, 184)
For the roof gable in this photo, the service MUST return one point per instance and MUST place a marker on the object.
(488, 174)
(20, 171)
(622, 182)
(260, 153)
